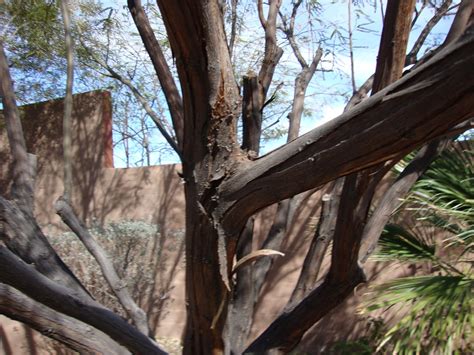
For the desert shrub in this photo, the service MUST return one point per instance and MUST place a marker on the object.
(141, 255)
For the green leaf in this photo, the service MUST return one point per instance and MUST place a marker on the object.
(396, 243)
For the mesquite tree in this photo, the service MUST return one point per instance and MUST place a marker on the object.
(226, 183)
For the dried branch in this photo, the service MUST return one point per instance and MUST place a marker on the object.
(261, 16)
(440, 12)
(69, 217)
(68, 102)
(26, 279)
(464, 18)
(22, 189)
(21, 233)
(163, 72)
(322, 237)
(67, 330)
(233, 29)
(398, 189)
(272, 53)
(392, 51)
(286, 331)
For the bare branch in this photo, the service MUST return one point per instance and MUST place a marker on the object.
(288, 29)
(464, 19)
(286, 331)
(22, 190)
(261, 16)
(20, 232)
(68, 102)
(322, 237)
(26, 279)
(138, 316)
(273, 53)
(440, 12)
(163, 72)
(251, 114)
(69, 331)
(233, 30)
(301, 85)
(360, 94)
(391, 198)
(392, 51)
(147, 108)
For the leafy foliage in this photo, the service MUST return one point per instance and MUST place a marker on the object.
(435, 308)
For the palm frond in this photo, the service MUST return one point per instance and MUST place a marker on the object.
(438, 316)
(396, 243)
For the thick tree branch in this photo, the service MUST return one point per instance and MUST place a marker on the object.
(22, 190)
(323, 236)
(138, 316)
(392, 51)
(391, 198)
(376, 130)
(75, 334)
(209, 89)
(33, 284)
(20, 232)
(163, 72)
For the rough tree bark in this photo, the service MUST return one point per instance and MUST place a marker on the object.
(224, 186)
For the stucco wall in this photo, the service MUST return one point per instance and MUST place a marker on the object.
(154, 194)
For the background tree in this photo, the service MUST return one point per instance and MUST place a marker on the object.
(226, 182)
